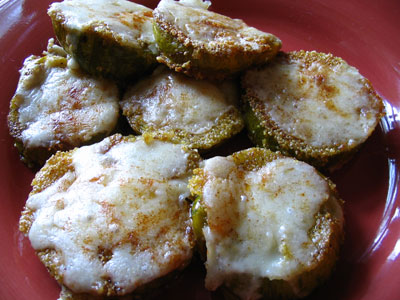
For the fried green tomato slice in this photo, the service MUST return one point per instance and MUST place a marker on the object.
(199, 113)
(310, 105)
(271, 225)
(112, 219)
(204, 44)
(58, 107)
(108, 38)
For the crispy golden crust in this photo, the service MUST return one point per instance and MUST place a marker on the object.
(227, 126)
(327, 235)
(266, 132)
(215, 60)
(53, 105)
(198, 113)
(60, 165)
(37, 156)
(100, 51)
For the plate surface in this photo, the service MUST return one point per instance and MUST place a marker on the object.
(363, 32)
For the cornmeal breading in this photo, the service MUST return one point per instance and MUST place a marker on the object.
(112, 218)
(199, 113)
(272, 225)
(57, 107)
(108, 38)
(310, 105)
(204, 44)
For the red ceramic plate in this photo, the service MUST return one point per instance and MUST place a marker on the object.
(363, 32)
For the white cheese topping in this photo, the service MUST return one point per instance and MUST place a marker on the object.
(125, 199)
(318, 103)
(209, 29)
(59, 104)
(168, 100)
(126, 21)
(259, 221)
(196, 3)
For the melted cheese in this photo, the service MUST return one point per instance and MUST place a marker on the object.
(168, 100)
(322, 105)
(58, 104)
(125, 21)
(196, 3)
(258, 221)
(120, 199)
(209, 29)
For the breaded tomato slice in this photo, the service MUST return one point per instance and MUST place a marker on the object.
(310, 105)
(270, 226)
(108, 38)
(111, 219)
(57, 107)
(199, 113)
(204, 44)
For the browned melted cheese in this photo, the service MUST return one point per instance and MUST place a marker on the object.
(317, 98)
(116, 215)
